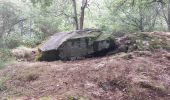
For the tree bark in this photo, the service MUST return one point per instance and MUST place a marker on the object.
(141, 26)
(168, 20)
(75, 14)
(83, 6)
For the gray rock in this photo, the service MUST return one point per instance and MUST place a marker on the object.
(76, 45)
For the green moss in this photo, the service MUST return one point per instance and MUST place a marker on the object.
(3, 84)
(105, 36)
(45, 98)
(149, 42)
(158, 88)
(2, 64)
(155, 44)
(38, 57)
(87, 35)
(127, 56)
(48, 56)
(5, 57)
(78, 98)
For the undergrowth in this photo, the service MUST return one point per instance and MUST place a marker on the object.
(5, 57)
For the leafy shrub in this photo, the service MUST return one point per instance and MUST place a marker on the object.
(34, 40)
(2, 64)
(145, 41)
(2, 84)
(12, 40)
(31, 41)
(141, 42)
(5, 56)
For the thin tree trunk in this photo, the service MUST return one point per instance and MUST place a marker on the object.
(75, 14)
(168, 23)
(84, 4)
(141, 26)
(165, 15)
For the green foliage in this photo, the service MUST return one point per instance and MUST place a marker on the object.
(149, 42)
(12, 40)
(43, 3)
(28, 26)
(31, 41)
(39, 57)
(49, 24)
(2, 64)
(8, 17)
(45, 98)
(5, 56)
(2, 84)
(15, 40)
(136, 16)
(77, 98)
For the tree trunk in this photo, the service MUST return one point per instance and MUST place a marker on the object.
(141, 26)
(165, 15)
(75, 14)
(83, 6)
(168, 27)
(168, 20)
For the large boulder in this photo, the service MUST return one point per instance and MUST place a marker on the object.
(76, 45)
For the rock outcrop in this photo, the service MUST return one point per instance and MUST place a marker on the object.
(76, 45)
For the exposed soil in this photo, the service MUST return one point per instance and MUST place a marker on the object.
(125, 76)
(139, 75)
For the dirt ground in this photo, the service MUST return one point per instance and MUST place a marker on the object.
(132, 76)
(139, 75)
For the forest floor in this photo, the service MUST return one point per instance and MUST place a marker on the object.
(124, 76)
(138, 75)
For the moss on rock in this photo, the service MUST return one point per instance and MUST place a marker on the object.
(76, 45)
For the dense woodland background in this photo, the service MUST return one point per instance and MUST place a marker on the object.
(29, 22)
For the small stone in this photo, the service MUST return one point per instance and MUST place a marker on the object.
(168, 56)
